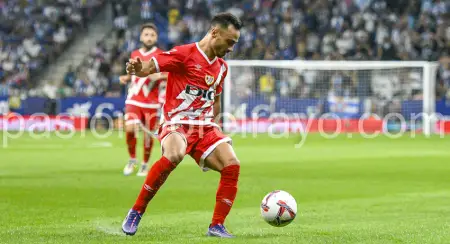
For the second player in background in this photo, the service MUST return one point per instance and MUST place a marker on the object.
(143, 101)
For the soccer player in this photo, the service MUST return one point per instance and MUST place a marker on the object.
(142, 102)
(196, 75)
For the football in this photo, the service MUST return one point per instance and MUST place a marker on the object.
(278, 208)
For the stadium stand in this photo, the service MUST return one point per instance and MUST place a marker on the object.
(283, 29)
(307, 30)
(33, 33)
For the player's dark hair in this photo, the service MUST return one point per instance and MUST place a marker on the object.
(149, 26)
(226, 19)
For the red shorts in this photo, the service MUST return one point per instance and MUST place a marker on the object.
(200, 140)
(145, 116)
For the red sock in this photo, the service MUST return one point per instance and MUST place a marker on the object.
(131, 142)
(155, 179)
(148, 144)
(226, 193)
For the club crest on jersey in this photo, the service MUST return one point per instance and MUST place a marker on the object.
(209, 79)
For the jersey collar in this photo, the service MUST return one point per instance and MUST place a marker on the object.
(148, 52)
(204, 54)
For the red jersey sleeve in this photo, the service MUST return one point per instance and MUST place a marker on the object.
(171, 61)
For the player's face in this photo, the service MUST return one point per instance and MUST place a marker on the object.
(149, 37)
(224, 40)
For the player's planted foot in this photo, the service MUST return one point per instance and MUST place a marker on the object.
(129, 168)
(131, 222)
(143, 170)
(219, 231)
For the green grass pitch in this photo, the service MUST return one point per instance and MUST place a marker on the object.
(349, 190)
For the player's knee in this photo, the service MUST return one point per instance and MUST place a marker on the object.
(130, 128)
(232, 161)
(231, 170)
(174, 156)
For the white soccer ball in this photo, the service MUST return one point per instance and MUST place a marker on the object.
(278, 208)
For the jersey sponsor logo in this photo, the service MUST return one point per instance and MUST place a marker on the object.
(209, 79)
(189, 95)
(195, 91)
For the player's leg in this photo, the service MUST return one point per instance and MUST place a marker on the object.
(174, 148)
(132, 122)
(150, 125)
(224, 160)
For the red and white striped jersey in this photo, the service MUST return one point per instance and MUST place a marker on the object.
(143, 92)
(193, 83)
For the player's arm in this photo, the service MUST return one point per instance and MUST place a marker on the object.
(124, 79)
(141, 68)
(172, 61)
(158, 76)
(217, 108)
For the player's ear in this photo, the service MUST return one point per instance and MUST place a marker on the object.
(214, 32)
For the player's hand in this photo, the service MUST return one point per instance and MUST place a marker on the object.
(124, 79)
(134, 67)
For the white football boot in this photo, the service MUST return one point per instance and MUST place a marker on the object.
(143, 170)
(129, 167)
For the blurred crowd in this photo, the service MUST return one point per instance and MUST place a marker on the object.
(277, 30)
(34, 32)
(283, 29)
(98, 75)
(345, 29)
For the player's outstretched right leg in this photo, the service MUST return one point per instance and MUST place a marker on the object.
(157, 175)
(155, 179)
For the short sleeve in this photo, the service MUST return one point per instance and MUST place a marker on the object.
(171, 61)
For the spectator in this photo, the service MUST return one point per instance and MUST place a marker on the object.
(4, 87)
(69, 77)
(387, 51)
(267, 83)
